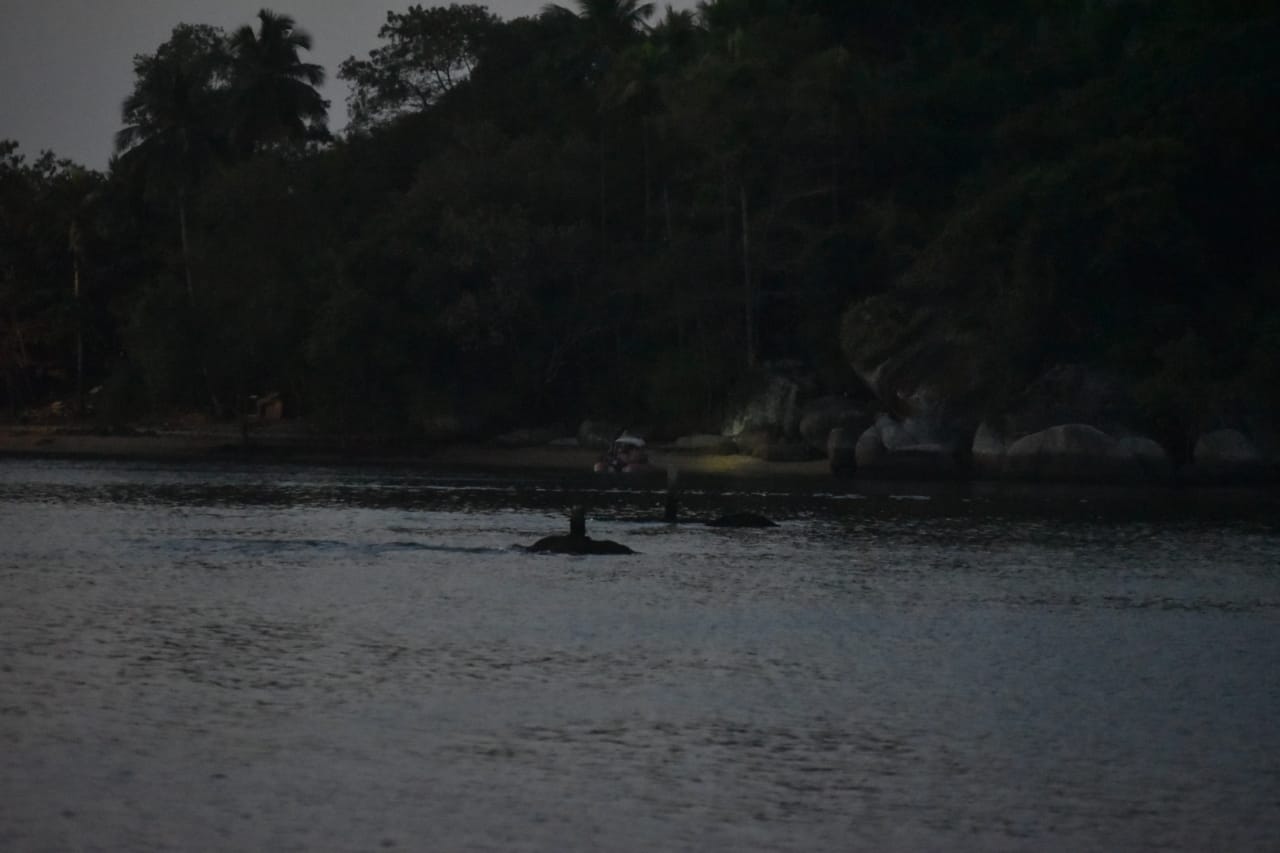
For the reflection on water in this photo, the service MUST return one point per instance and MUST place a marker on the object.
(227, 658)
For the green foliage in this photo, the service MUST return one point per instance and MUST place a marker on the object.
(272, 94)
(48, 222)
(122, 399)
(596, 209)
(428, 53)
(1178, 398)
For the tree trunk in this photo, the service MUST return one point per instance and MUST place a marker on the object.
(748, 290)
(214, 402)
(186, 246)
(666, 209)
(648, 201)
(75, 287)
(727, 207)
(603, 216)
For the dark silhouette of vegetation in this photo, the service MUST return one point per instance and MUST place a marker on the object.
(601, 210)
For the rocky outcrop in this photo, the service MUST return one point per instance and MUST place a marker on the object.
(910, 448)
(1071, 394)
(1154, 460)
(1079, 453)
(986, 456)
(1071, 424)
(754, 442)
(819, 417)
(842, 451)
(916, 359)
(775, 406)
(1071, 453)
(1228, 456)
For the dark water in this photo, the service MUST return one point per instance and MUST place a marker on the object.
(222, 658)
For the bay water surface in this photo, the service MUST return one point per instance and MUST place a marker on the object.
(273, 657)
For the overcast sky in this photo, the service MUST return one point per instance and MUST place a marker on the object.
(67, 65)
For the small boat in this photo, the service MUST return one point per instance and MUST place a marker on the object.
(626, 455)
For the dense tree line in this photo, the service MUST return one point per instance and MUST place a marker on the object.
(604, 209)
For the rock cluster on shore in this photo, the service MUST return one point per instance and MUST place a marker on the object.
(1072, 424)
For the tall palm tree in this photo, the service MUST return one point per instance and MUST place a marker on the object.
(613, 22)
(172, 132)
(273, 92)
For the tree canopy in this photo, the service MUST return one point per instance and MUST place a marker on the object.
(604, 210)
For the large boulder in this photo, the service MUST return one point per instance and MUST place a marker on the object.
(775, 405)
(1069, 453)
(987, 455)
(842, 451)
(1073, 453)
(1153, 458)
(917, 448)
(1071, 394)
(819, 417)
(1072, 423)
(919, 359)
(1228, 456)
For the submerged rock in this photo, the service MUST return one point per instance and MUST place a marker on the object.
(577, 541)
(671, 511)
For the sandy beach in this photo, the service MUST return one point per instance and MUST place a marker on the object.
(274, 444)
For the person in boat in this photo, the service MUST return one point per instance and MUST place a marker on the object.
(626, 454)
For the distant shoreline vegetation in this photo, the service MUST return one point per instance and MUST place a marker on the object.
(937, 236)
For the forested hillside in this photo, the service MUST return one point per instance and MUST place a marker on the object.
(610, 210)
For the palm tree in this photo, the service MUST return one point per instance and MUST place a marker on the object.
(172, 131)
(274, 99)
(613, 22)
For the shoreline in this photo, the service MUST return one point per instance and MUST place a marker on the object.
(286, 445)
(275, 447)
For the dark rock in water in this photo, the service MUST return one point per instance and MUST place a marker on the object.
(577, 541)
(578, 545)
(671, 512)
(742, 519)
